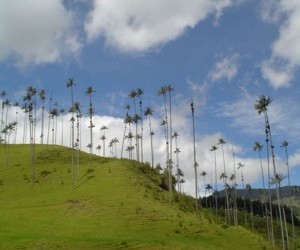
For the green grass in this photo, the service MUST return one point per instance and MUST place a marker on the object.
(116, 204)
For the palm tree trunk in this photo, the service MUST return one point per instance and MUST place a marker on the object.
(195, 161)
(268, 129)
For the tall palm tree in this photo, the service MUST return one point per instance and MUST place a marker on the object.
(26, 111)
(139, 93)
(62, 112)
(33, 91)
(29, 99)
(70, 84)
(53, 113)
(177, 150)
(8, 130)
(209, 189)
(224, 177)
(133, 94)
(241, 166)
(203, 174)
(127, 121)
(261, 107)
(169, 89)
(258, 147)
(222, 142)
(195, 161)
(7, 104)
(168, 163)
(277, 179)
(179, 174)
(89, 92)
(213, 149)
(127, 107)
(42, 95)
(98, 148)
(103, 138)
(2, 95)
(284, 145)
(235, 214)
(149, 112)
(249, 190)
(17, 120)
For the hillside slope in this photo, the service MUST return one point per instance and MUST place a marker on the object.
(116, 204)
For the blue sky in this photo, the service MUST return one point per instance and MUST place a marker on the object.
(222, 53)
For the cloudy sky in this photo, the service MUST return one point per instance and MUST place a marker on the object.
(223, 54)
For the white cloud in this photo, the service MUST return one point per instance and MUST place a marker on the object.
(286, 49)
(276, 75)
(137, 26)
(226, 68)
(36, 32)
(283, 115)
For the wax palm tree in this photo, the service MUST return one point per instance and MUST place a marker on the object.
(98, 148)
(241, 166)
(29, 99)
(195, 161)
(70, 84)
(169, 89)
(168, 160)
(162, 91)
(209, 189)
(277, 179)
(179, 175)
(49, 121)
(222, 142)
(258, 147)
(176, 151)
(139, 93)
(129, 149)
(203, 174)
(235, 213)
(17, 120)
(127, 121)
(32, 91)
(2, 95)
(62, 112)
(261, 107)
(42, 95)
(133, 94)
(103, 138)
(53, 114)
(249, 190)
(127, 107)
(89, 92)
(213, 149)
(149, 112)
(25, 109)
(224, 177)
(8, 130)
(114, 144)
(7, 104)
(284, 145)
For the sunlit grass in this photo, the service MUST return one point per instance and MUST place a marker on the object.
(117, 204)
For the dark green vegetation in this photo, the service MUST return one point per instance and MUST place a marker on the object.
(116, 204)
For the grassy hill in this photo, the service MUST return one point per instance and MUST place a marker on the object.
(116, 204)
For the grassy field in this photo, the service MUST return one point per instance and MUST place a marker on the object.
(116, 204)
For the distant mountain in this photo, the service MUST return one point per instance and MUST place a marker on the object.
(256, 193)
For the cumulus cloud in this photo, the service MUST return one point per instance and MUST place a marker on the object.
(137, 26)
(226, 68)
(283, 115)
(279, 70)
(36, 32)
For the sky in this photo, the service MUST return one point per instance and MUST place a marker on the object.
(222, 54)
